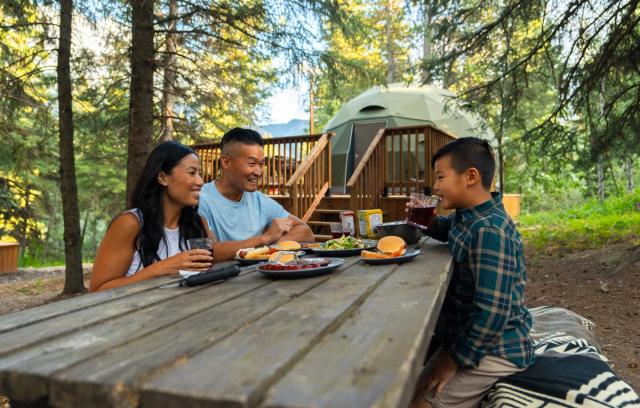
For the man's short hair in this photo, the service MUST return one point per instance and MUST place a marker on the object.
(242, 135)
(468, 152)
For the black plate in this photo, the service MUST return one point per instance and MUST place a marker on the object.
(344, 252)
(247, 262)
(409, 255)
(303, 273)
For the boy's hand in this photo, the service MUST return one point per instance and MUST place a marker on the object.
(443, 371)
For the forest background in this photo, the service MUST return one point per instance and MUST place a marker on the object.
(88, 88)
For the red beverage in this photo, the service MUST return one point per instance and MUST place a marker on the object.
(421, 215)
(340, 234)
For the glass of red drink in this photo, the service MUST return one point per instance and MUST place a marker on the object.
(421, 209)
(338, 230)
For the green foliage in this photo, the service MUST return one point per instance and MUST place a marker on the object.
(588, 225)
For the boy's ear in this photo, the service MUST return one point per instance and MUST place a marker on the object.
(473, 177)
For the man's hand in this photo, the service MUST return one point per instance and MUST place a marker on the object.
(278, 227)
(443, 371)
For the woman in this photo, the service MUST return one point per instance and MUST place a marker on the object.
(149, 239)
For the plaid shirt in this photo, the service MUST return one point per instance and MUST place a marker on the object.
(484, 312)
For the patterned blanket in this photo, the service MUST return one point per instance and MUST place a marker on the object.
(569, 370)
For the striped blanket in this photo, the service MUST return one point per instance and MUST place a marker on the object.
(569, 370)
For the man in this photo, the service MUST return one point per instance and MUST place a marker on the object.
(237, 214)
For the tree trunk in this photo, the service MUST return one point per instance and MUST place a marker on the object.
(392, 68)
(141, 91)
(600, 173)
(73, 282)
(504, 108)
(426, 39)
(168, 87)
(628, 170)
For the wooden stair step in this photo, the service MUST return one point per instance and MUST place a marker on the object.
(328, 211)
(320, 223)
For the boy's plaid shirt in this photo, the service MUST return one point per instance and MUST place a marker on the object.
(484, 312)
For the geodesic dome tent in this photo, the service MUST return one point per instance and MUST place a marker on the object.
(357, 122)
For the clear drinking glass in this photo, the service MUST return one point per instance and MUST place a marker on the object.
(201, 243)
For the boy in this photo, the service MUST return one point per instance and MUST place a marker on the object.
(483, 328)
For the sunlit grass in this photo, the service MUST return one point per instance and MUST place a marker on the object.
(588, 225)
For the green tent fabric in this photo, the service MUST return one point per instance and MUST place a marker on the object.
(393, 106)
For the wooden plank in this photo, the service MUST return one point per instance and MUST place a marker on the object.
(382, 369)
(37, 314)
(23, 374)
(238, 370)
(113, 378)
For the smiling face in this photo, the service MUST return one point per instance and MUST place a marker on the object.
(183, 183)
(243, 165)
(450, 185)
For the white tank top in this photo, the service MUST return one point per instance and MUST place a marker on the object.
(168, 246)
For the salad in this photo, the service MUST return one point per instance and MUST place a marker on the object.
(343, 242)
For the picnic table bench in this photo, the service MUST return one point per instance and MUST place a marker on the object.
(354, 338)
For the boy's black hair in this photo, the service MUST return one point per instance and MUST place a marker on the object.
(468, 152)
(244, 136)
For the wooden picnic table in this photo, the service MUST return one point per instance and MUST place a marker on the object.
(354, 338)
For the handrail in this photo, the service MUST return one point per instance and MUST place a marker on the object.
(311, 180)
(397, 162)
(365, 159)
(366, 185)
(310, 159)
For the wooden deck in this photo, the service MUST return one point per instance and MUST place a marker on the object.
(356, 337)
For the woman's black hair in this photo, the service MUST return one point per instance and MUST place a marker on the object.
(147, 198)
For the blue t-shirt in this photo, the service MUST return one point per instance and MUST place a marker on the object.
(238, 220)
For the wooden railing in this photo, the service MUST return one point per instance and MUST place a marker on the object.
(397, 162)
(409, 151)
(283, 156)
(312, 179)
(367, 182)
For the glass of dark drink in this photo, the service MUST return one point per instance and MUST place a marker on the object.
(421, 209)
(337, 230)
(201, 243)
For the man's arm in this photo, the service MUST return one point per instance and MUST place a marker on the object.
(494, 266)
(226, 250)
(299, 231)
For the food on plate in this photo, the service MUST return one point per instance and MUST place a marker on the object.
(283, 257)
(308, 245)
(343, 243)
(296, 265)
(388, 247)
(374, 255)
(287, 246)
(255, 253)
(392, 245)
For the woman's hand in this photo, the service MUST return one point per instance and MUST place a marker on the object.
(192, 260)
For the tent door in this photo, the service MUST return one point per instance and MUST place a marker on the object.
(363, 135)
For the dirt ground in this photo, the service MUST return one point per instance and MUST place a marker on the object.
(601, 284)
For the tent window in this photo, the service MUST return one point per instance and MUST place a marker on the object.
(371, 108)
